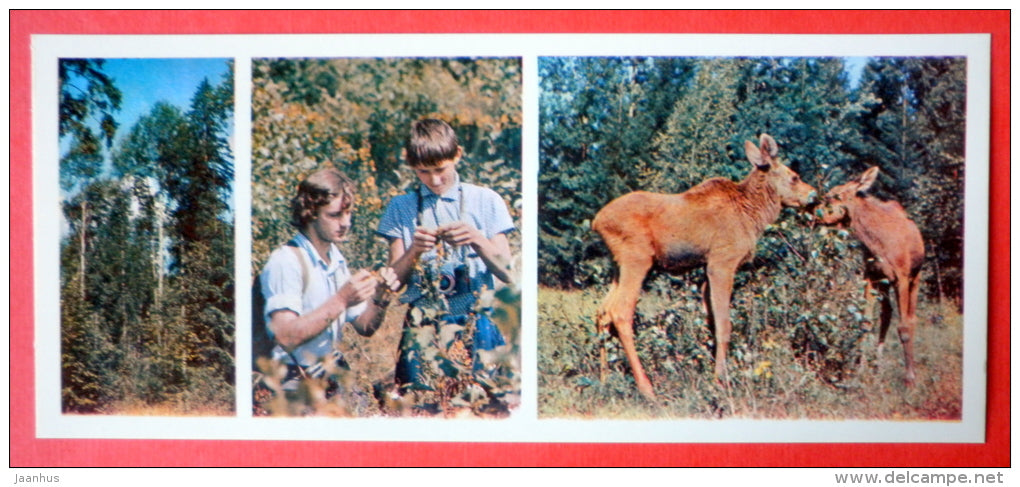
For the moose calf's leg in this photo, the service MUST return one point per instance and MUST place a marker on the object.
(602, 321)
(626, 332)
(869, 316)
(621, 313)
(721, 286)
(869, 301)
(706, 298)
(906, 327)
(885, 318)
(618, 309)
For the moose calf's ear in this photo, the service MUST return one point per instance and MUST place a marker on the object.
(768, 145)
(755, 156)
(868, 178)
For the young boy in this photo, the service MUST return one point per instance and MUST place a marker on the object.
(455, 228)
(309, 291)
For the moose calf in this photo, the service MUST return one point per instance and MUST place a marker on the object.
(716, 224)
(895, 251)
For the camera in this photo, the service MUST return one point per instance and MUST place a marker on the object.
(454, 279)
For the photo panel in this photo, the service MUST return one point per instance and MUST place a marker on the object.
(830, 287)
(145, 195)
(449, 343)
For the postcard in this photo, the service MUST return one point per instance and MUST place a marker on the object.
(501, 239)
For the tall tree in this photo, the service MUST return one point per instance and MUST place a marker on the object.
(205, 233)
(150, 150)
(89, 359)
(696, 141)
(88, 100)
(806, 104)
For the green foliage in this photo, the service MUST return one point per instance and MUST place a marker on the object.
(698, 131)
(609, 126)
(453, 385)
(452, 378)
(354, 114)
(88, 100)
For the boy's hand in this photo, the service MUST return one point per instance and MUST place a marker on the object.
(360, 287)
(460, 233)
(387, 283)
(425, 239)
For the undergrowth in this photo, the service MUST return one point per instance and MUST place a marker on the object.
(803, 346)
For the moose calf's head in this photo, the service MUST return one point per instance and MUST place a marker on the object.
(789, 188)
(839, 201)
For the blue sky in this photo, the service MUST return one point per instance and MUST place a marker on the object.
(854, 66)
(145, 82)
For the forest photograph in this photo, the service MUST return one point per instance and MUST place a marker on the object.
(354, 115)
(147, 240)
(821, 283)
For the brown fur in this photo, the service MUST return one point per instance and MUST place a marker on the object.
(716, 224)
(895, 253)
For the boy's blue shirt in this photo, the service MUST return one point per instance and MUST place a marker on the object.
(480, 206)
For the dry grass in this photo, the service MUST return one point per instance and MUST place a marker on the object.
(127, 408)
(373, 359)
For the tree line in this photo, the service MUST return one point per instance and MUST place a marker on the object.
(147, 281)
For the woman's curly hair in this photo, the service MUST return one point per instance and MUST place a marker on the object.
(316, 191)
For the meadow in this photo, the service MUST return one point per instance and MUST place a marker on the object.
(770, 376)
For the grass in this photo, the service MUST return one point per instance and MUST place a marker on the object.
(137, 408)
(770, 378)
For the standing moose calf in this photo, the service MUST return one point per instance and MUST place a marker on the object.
(894, 254)
(716, 223)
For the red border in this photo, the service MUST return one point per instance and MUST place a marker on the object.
(27, 451)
